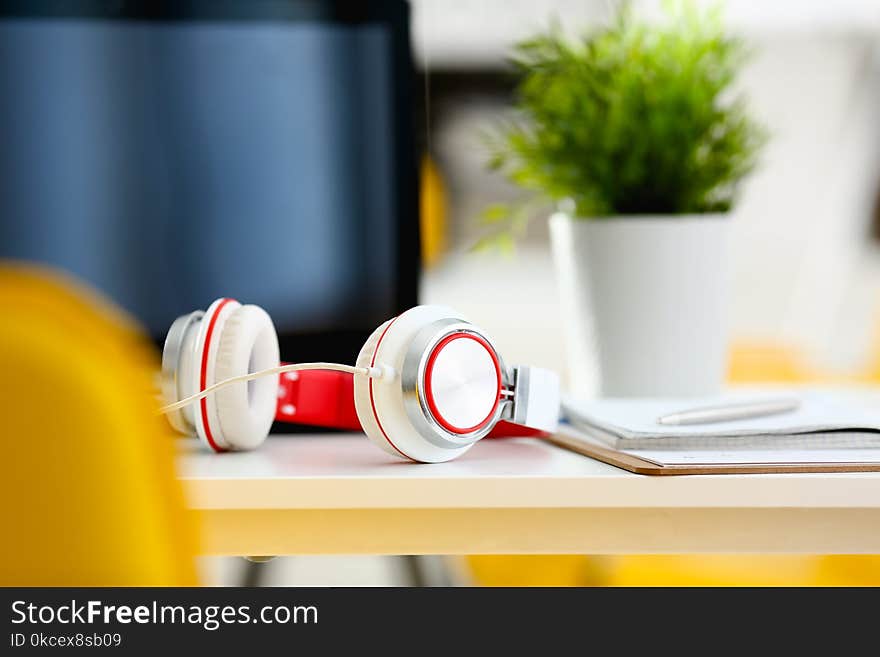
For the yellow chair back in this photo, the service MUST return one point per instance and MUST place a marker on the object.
(87, 481)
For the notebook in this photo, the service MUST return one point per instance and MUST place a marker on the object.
(825, 419)
(736, 461)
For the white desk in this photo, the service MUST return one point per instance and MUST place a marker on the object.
(341, 495)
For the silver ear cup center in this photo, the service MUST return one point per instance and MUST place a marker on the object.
(177, 356)
(461, 383)
(415, 393)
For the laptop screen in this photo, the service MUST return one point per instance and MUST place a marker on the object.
(171, 162)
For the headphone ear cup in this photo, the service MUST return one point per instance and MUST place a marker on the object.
(245, 411)
(177, 369)
(381, 404)
(362, 402)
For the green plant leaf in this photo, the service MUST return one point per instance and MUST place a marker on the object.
(632, 118)
(495, 213)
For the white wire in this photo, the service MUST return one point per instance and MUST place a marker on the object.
(366, 371)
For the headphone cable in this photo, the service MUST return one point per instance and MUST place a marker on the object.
(372, 372)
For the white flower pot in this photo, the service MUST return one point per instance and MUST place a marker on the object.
(644, 299)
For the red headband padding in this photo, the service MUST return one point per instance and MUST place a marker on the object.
(320, 398)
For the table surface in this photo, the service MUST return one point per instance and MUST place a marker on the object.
(347, 471)
(340, 494)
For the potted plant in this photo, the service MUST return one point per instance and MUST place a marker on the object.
(635, 133)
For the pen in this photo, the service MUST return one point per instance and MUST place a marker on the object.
(725, 413)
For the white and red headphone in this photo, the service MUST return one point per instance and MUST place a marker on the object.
(427, 384)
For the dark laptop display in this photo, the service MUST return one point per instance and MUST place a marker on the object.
(172, 153)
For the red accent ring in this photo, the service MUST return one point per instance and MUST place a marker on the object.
(429, 392)
(373, 401)
(203, 377)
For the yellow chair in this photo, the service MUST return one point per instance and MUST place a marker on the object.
(87, 482)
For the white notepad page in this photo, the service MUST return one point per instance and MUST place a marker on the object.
(826, 417)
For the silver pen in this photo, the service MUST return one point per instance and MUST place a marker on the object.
(728, 412)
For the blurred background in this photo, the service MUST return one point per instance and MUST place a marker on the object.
(805, 237)
(123, 176)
